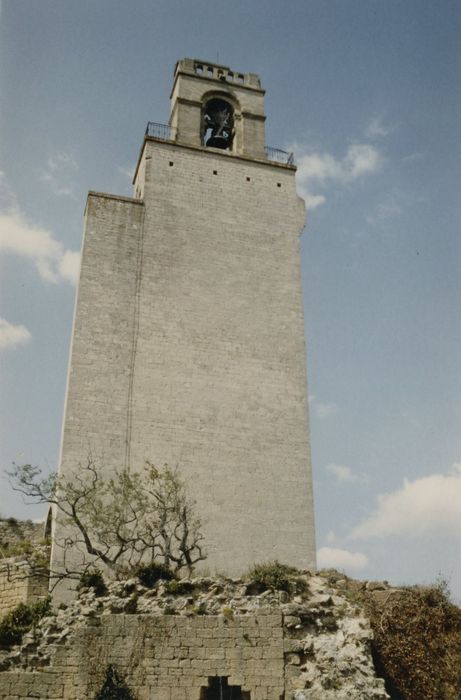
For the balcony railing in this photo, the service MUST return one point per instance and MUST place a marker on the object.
(278, 156)
(164, 132)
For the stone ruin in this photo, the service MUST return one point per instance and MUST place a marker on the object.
(219, 639)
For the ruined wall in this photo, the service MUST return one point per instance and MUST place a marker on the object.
(16, 587)
(13, 531)
(310, 644)
(164, 657)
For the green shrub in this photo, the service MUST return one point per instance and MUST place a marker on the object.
(179, 587)
(41, 560)
(93, 578)
(20, 620)
(227, 612)
(13, 549)
(149, 574)
(272, 576)
(114, 687)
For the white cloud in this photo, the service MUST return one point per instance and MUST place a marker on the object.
(11, 336)
(361, 159)
(376, 129)
(430, 505)
(344, 474)
(325, 410)
(53, 262)
(342, 559)
(314, 200)
(69, 266)
(59, 171)
(320, 169)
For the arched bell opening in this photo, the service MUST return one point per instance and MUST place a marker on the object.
(218, 124)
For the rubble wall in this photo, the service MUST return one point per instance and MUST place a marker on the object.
(163, 657)
(313, 645)
(17, 587)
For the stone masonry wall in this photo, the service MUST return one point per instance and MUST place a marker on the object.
(16, 586)
(188, 349)
(166, 658)
(307, 644)
(102, 347)
(219, 380)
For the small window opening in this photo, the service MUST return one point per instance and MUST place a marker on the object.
(218, 124)
(219, 689)
(171, 163)
(279, 184)
(248, 179)
(215, 172)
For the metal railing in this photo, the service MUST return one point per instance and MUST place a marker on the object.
(164, 132)
(278, 156)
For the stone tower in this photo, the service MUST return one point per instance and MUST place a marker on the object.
(188, 340)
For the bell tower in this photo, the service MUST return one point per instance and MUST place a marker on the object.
(216, 107)
(188, 340)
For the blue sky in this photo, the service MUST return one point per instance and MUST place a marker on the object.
(367, 93)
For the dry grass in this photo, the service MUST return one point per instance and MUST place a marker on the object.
(417, 643)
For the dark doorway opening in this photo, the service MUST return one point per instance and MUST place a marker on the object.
(219, 689)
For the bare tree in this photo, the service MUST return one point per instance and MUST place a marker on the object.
(121, 522)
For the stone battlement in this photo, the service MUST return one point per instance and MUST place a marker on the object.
(216, 71)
